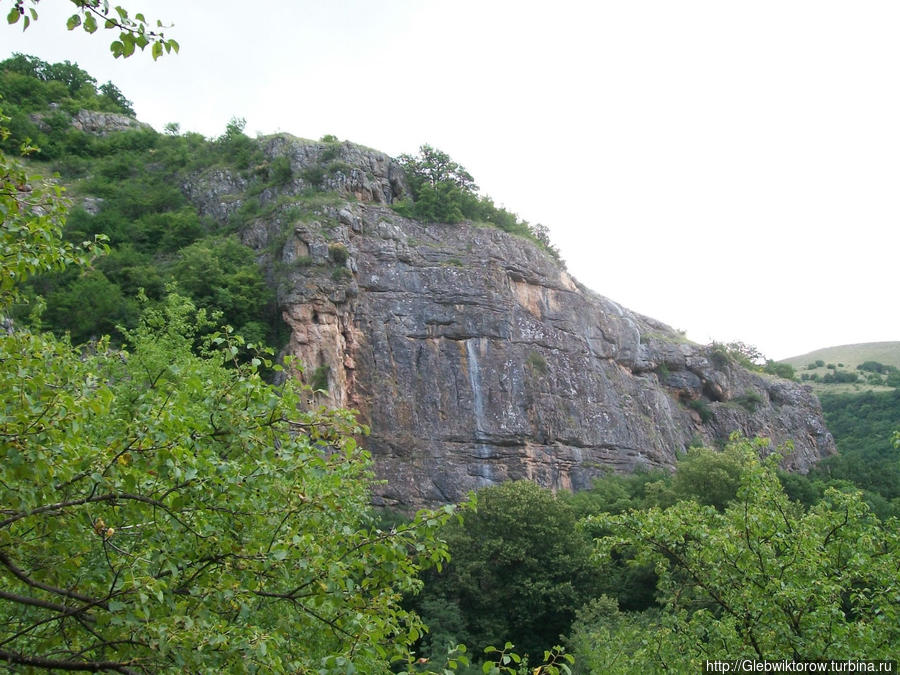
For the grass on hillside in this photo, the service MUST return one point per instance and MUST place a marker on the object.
(851, 356)
(845, 358)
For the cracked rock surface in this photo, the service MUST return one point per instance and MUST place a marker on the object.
(474, 356)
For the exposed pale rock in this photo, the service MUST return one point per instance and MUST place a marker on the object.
(103, 123)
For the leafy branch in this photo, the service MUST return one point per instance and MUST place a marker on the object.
(134, 31)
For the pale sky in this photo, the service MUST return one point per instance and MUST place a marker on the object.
(730, 168)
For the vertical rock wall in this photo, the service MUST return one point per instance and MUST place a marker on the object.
(474, 357)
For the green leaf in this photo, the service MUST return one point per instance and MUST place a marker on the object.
(127, 45)
(13, 15)
(90, 23)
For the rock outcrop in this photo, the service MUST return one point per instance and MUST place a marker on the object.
(95, 122)
(105, 123)
(474, 356)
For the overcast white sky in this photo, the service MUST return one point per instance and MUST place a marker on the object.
(730, 168)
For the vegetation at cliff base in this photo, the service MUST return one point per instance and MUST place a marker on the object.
(717, 560)
(518, 572)
(765, 578)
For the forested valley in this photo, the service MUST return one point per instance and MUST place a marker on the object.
(172, 503)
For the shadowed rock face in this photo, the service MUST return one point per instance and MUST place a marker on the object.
(475, 358)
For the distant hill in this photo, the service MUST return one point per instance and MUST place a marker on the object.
(829, 370)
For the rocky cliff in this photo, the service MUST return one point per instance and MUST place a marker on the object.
(474, 356)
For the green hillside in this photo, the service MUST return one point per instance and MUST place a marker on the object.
(856, 368)
(851, 355)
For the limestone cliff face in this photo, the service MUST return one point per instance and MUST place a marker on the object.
(474, 357)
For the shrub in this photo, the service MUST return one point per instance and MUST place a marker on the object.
(701, 408)
(338, 253)
(840, 377)
(280, 171)
(537, 363)
(876, 367)
(314, 175)
(319, 379)
(785, 370)
(750, 400)
(338, 166)
(340, 273)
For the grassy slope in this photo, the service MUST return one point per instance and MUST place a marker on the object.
(850, 356)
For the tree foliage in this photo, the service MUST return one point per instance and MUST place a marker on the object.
(33, 211)
(134, 31)
(519, 570)
(441, 187)
(166, 512)
(765, 578)
(444, 192)
(155, 236)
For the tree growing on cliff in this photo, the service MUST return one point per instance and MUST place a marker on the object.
(444, 192)
(442, 189)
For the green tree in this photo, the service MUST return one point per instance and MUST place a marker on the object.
(605, 640)
(765, 578)
(91, 307)
(433, 167)
(519, 571)
(164, 512)
(221, 274)
(706, 476)
(116, 99)
(442, 189)
(444, 192)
